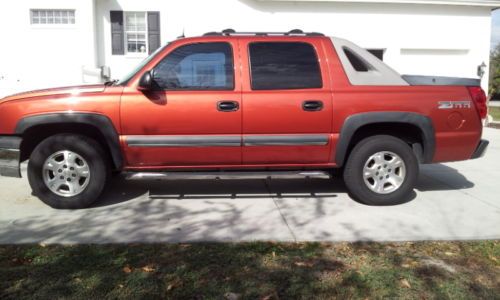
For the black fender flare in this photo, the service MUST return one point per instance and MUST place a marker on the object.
(354, 122)
(102, 123)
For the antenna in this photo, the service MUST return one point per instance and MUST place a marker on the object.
(182, 35)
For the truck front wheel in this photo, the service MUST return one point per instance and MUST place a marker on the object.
(68, 171)
(381, 170)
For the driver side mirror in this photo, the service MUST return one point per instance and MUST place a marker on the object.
(146, 83)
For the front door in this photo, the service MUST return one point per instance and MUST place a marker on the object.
(287, 111)
(194, 117)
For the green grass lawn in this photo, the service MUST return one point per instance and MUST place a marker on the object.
(495, 113)
(427, 270)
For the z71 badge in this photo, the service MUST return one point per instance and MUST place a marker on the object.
(454, 104)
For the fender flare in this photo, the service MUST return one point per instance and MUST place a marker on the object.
(354, 122)
(102, 123)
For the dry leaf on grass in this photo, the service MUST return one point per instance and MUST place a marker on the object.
(405, 283)
(303, 264)
(127, 269)
(148, 269)
(409, 264)
(174, 284)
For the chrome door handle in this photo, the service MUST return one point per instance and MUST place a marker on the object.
(228, 106)
(312, 105)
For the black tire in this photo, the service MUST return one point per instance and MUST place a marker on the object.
(88, 149)
(353, 171)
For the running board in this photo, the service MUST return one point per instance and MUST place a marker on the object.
(227, 175)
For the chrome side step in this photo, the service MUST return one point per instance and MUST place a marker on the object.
(227, 175)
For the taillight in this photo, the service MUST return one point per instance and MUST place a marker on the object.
(479, 97)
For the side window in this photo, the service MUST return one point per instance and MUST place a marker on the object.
(204, 66)
(280, 65)
(358, 63)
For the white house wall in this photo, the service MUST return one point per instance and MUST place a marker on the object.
(420, 39)
(37, 56)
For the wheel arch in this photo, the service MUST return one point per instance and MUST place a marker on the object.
(38, 127)
(380, 122)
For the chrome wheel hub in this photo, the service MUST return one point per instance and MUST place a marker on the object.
(384, 172)
(66, 173)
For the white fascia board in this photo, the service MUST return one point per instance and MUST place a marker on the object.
(489, 3)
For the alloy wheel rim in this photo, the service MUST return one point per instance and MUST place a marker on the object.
(384, 172)
(66, 173)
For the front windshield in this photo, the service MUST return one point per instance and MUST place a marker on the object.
(129, 76)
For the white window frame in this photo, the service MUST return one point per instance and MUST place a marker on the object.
(36, 14)
(126, 32)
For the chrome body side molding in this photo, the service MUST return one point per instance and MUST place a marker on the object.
(228, 140)
(184, 141)
(286, 140)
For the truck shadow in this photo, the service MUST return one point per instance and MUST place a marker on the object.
(432, 178)
(439, 177)
(121, 190)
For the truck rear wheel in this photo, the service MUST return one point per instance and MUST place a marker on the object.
(68, 171)
(381, 170)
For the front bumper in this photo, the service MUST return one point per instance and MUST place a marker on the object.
(10, 156)
(481, 149)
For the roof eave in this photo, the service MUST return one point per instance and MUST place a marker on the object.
(487, 3)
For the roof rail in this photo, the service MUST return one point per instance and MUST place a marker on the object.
(230, 32)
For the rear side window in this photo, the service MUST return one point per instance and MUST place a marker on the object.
(357, 62)
(204, 66)
(277, 65)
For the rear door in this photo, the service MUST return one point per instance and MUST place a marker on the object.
(287, 102)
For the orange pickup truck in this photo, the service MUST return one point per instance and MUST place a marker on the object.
(244, 105)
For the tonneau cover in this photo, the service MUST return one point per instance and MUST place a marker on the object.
(438, 80)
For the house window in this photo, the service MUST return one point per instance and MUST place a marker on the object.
(379, 53)
(52, 16)
(136, 32)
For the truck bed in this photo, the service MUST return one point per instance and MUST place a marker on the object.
(415, 80)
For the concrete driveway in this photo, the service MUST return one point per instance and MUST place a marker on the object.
(456, 201)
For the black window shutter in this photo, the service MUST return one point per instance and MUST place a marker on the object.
(117, 34)
(154, 31)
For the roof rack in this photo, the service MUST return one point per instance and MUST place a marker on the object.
(230, 32)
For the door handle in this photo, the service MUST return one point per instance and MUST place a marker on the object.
(228, 106)
(312, 105)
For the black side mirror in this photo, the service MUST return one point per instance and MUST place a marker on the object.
(146, 83)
